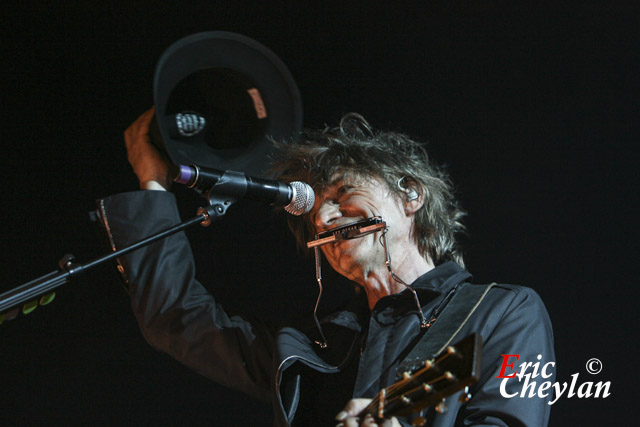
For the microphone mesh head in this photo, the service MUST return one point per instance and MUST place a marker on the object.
(302, 200)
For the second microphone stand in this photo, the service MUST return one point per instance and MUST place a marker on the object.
(69, 268)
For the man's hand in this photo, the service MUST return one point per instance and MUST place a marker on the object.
(148, 163)
(348, 417)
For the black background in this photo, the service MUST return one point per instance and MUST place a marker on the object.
(533, 109)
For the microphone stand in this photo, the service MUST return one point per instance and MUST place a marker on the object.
(69, 269)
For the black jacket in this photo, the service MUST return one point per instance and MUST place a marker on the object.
(283, 364)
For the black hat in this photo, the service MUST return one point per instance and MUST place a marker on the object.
(219, 97)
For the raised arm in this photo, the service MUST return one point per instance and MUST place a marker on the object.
(175, 312)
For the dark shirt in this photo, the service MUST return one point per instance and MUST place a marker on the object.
(282, 364)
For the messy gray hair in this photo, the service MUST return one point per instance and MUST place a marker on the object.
(355, 148)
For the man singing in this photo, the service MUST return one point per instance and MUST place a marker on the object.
(408, 265)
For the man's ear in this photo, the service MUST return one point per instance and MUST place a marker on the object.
(413, 194)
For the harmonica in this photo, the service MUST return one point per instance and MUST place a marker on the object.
(348, 231)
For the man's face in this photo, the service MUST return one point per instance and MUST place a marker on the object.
(350, 199)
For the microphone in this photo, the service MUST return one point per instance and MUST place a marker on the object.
(297, 197)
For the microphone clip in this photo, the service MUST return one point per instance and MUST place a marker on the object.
(219, 195)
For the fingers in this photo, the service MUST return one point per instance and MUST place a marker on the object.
(348, 417)
(369, 421)
(366, 421)
(391, 422)
(139, 129)
(353, 408)
(147, 162)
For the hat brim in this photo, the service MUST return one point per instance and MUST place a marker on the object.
(243, 85)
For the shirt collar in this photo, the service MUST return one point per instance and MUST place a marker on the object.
(442, 278)
(428, 286)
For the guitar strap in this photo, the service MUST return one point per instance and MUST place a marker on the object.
(450, 321)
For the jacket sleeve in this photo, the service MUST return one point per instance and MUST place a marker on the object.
(174, 311)
(516, 324)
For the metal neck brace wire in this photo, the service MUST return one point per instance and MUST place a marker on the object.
(353, 231)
